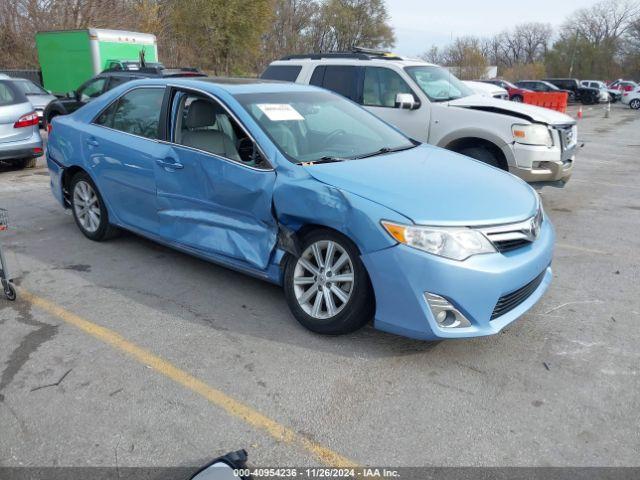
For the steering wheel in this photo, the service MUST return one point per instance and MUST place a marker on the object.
(333, 135)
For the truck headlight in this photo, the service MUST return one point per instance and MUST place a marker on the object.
(532, 134)
(456, 243)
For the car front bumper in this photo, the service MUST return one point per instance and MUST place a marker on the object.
(28, 148)
(401, 276)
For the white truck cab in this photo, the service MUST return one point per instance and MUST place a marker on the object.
(431, 105)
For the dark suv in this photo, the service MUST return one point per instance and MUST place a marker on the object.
(586, 95)
(105, 81)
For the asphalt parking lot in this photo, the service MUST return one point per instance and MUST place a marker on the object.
(128, 353)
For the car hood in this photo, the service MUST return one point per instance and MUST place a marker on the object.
(40, 101)
(520, 110)
(433, 186)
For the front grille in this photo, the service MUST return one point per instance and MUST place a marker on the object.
(515, 235)
(507, 245)
(508, 302)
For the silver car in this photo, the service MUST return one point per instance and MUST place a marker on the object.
(37, 95)
(20, 141)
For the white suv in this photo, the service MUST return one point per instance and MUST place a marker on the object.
(431, 105)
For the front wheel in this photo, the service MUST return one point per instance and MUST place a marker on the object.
(635, 104)
(89, 210)
(482, 154)
(327, 287)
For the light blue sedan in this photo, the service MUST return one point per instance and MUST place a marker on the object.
(302, 188)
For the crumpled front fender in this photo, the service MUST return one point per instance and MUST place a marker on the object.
(300, 200)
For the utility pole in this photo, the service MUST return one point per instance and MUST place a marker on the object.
(573, 55)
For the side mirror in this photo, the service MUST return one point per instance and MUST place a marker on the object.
(406, 101)
(216, 471)
(224, 468)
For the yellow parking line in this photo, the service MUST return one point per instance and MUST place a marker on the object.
(213, 395)
(580, 249)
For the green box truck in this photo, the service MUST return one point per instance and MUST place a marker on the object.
(70, 57)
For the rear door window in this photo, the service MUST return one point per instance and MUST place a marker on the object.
(286, 73)
(10, 95)
(136, 112)
(342, 79)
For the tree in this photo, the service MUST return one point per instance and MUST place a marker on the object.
(344, 24)
(590, 42)
(465, 55)
(222, 36)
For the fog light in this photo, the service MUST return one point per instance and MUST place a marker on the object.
(445, 313)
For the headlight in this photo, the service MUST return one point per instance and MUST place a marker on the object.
(533, 134)
(451, 242)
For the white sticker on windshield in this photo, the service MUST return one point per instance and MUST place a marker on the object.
(279, 112)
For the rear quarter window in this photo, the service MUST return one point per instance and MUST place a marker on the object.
(342, 79)
(10, 95)
(285, 73)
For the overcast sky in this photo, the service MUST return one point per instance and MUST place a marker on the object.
(419, 24)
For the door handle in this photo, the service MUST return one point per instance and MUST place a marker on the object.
(92, 142)
(169, 164)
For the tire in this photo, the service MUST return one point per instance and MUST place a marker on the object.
(50, 117)
(89, 211)
(28, 163)
(517, 99)
(483, 154)
(635, 104)
(353, 306)
(9, 290)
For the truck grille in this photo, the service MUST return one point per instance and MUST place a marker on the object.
(568, 136)
(508, 302)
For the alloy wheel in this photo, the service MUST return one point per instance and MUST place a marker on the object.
(86, 206)
(635, 104)
(323, 279)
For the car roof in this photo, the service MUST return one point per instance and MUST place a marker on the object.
(350, 60)
(232, 85)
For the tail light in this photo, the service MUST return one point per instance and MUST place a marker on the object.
(28, 120)
(49, 128)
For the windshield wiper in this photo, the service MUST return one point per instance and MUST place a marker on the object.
(384, 150)
(324, 160)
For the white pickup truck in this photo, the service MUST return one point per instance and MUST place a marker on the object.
(431, 105)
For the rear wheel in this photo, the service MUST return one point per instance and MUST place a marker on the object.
(635, 103)
(327, 287)
(88, 208)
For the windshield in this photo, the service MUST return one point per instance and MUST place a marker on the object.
(29, 88)
(312, 126)
(438, 83)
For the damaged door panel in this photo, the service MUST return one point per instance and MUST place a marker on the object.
(217, 206)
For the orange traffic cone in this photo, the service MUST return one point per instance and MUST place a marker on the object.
(580, 113)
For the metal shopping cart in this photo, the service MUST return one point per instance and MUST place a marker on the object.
(7, 284)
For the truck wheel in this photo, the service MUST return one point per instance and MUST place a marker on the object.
(483, 154)
(327, 287)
